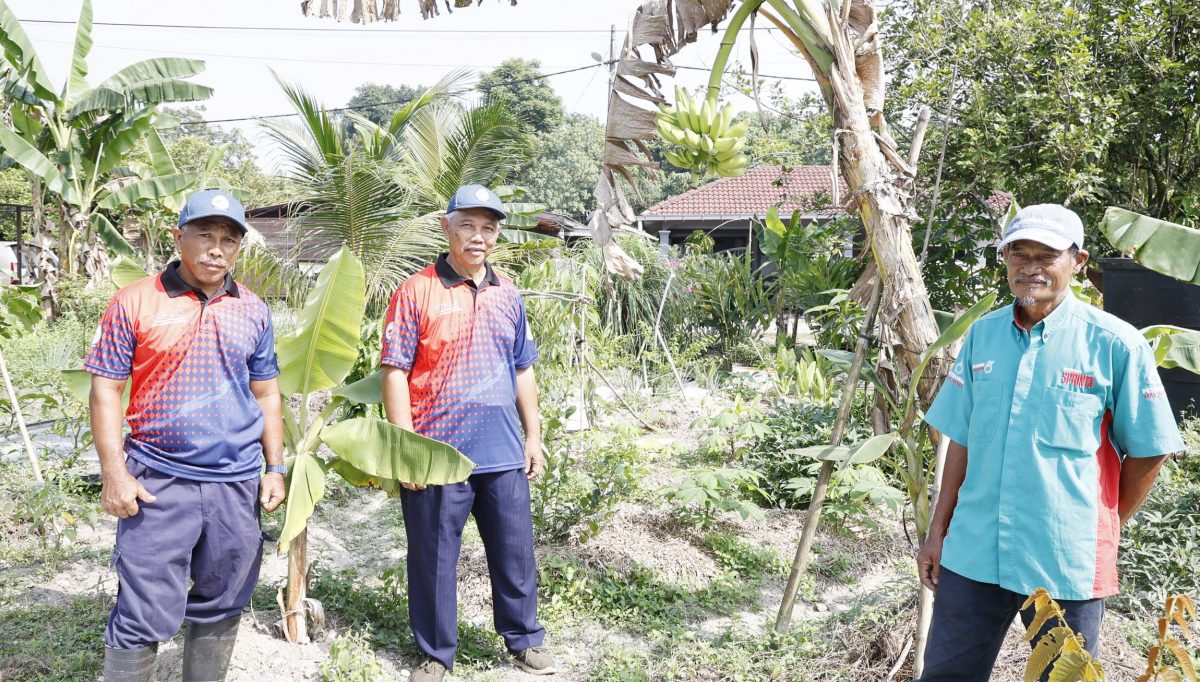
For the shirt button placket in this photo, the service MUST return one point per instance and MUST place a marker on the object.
(1014, 467)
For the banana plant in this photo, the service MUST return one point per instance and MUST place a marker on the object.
(72, 141)
(366, 452)
(1165, 247)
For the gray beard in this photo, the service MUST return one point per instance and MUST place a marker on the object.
(1027, 301)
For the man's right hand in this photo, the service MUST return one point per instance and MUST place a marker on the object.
(929, 562)
(413, 486)
(120, 494)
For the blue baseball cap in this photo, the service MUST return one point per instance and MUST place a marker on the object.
(1055, 226)
(476, 196)
(213, 203)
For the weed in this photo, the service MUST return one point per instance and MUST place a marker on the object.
(54, 642)
(351, 660)
(736, 555)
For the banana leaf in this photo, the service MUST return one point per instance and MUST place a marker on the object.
(1174, 347)
(953, 333)
(77, 78)
(97, 99)
(160, 158)
(111, 236)
(306, 487)
(149, 189)
(19, 52)
(125, 272)
(386, 451)
(79, 384)
(157, 69)
(366, 391)
(324, 347)
(29, 158)
(168, 90)
(1167, 248)
(359, 479)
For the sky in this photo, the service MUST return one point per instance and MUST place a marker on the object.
(330, 59)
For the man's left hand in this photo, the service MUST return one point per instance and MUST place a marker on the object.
(535, 460)
(271, 492)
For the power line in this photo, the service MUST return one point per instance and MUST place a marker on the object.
(761, 75)
(345, 29)
(399, 101)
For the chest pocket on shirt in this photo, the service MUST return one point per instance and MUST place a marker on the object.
(1068, 421)
(985, 411)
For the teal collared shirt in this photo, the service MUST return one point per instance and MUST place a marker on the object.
(1047, 417)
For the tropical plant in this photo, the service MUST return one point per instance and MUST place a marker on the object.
(1178, 609)
(731, 297)
(378, 189)
(19, 309)
(802, 375)
(1162, 246)
(704, 493)
(367, 452)
(1060, 644)
(73, 142)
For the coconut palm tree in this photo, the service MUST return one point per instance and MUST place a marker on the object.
(378, 190)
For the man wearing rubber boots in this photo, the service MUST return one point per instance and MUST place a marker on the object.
(1058, 425)
(204, 412)
(458, 366)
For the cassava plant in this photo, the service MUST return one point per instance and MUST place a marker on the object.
(1178, 609)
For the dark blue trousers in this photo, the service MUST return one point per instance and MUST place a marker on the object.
(433, 521)
(192, 554)
(970, 620)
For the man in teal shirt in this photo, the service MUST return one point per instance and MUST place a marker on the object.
(1058, 425)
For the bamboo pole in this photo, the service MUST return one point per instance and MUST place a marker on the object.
(16, 408)
(800, 563)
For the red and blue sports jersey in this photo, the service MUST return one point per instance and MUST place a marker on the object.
(462, 346)
(191, 360)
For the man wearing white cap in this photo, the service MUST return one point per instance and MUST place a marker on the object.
(1058, 425)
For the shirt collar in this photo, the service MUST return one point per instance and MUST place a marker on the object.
(449, 277)
(1055, 320)
(175, 287)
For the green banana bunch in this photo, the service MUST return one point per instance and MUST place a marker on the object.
(708, 138)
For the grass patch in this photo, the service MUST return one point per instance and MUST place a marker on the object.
(46, 642)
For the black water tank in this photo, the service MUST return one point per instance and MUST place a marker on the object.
(1143, 297)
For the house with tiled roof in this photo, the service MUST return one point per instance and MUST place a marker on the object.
(727, 209)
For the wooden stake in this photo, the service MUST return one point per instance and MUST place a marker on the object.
(800, 563)
(16, 408)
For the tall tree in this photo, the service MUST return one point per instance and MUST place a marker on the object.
(378, 102)
(517, 86)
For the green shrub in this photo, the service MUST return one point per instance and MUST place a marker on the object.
(581, 490)
(351, 660)
(704, 493)
(1160, 545)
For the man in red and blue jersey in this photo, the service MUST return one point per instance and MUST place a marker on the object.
(458, 367)
(198, 351)
(1058, 426)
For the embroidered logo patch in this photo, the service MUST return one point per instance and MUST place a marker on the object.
(1153, 392)
(448, 307)
(955, 375)
(1073, 377)
(984, 367)
(220, 203)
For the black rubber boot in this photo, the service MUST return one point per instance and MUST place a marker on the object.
(129, 665)
(207, 648)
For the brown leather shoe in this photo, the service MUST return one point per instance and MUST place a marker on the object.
(429, 670)
(535, 661)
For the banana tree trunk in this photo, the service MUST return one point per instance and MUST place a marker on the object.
(295, 622)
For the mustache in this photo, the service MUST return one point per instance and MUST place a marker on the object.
(1033, 279)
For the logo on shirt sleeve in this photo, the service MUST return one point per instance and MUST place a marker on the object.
(955, 375)
(96, 336)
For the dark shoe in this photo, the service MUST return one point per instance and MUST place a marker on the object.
(129, 665)
(535, 661)
(207, 648)
(429, 671)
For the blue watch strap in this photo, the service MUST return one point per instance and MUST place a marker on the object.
(277, 469)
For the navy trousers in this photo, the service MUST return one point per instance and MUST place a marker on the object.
(205, 534)
(433, 521)
(970, 620)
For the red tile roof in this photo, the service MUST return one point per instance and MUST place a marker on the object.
(802, 187)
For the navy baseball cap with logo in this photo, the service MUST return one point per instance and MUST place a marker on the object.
(213, 203)
(476, 196)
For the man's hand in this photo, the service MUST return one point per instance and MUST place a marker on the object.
(412, 486)
(120, 493)
(535, 460)
(271, 491)
(929, 562)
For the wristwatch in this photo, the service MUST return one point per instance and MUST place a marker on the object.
(277, 469)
